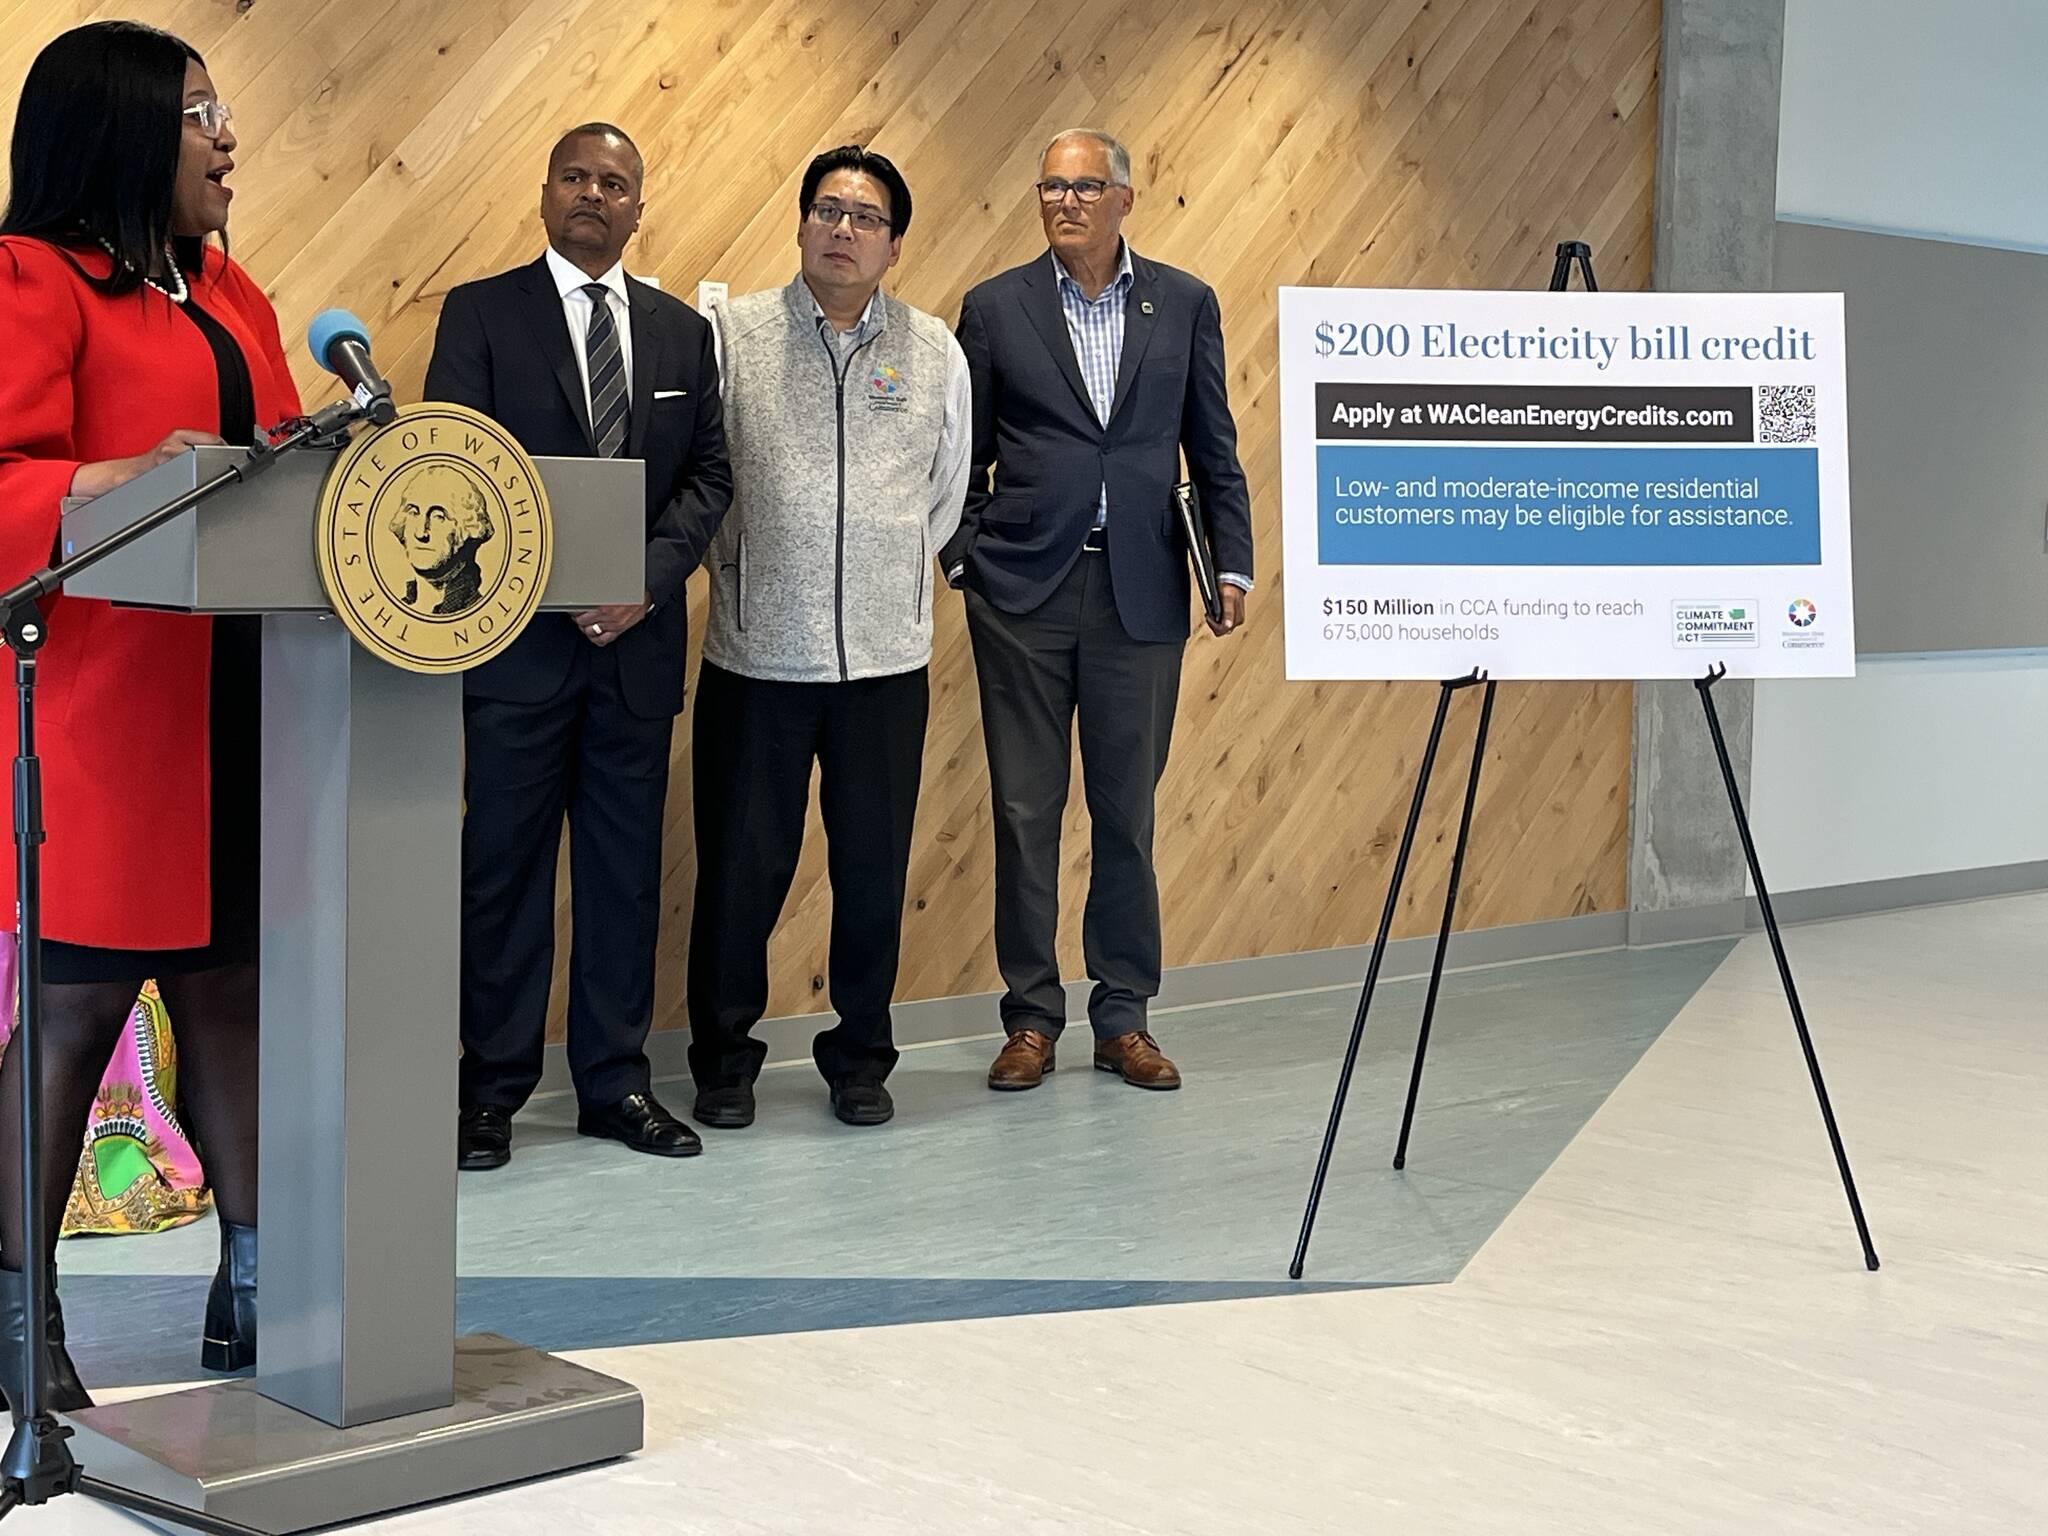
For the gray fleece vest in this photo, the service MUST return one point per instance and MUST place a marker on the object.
(821, 570)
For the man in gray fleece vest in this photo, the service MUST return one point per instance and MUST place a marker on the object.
(847, 419)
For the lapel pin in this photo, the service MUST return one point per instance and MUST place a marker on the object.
(1145, 305)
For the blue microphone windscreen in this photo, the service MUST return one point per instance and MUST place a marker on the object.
(330, 326)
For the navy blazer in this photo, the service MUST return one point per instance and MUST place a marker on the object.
(1041, 457)
(503, 348)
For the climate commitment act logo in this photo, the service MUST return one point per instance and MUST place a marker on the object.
(1714, 624)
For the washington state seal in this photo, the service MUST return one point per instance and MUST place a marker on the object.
(434, 540)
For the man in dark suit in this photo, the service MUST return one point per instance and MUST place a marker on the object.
(1094, 371)
(575, 358)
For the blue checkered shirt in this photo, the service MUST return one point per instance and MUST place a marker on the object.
(1096, 327)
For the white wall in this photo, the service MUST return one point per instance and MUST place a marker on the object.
(1915, 766)
(1918, 116)
(1932, 120)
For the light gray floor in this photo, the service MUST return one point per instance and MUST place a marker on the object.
(1671, 1334)
(1083, 1193)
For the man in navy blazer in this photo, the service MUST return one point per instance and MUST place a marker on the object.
(1095, 371)
(577, 359)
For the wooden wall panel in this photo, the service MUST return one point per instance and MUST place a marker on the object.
(393, 148)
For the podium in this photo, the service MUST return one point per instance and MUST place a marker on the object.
(364, 1400)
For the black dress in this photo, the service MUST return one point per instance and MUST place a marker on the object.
(234, 740)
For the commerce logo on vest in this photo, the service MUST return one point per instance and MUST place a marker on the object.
(888, 390)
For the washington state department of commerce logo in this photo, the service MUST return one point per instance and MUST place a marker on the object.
(1802, 613)
(888, 390)
(434, 540)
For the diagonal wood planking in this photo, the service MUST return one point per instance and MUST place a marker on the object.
(393, 148)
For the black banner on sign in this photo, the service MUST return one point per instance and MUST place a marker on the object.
(1534, 413)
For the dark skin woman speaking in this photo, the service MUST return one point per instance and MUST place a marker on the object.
(128, 337)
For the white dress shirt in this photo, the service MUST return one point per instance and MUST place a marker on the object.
(570, 281)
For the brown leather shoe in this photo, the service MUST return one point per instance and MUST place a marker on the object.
(1022, 1063)
(1135, 1058)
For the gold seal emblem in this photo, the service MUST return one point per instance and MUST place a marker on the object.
(433, 539)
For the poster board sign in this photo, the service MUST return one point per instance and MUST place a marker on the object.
(1564, 485)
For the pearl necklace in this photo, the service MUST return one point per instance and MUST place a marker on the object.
(178, 293)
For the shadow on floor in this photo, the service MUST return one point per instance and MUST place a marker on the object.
(144, 1329)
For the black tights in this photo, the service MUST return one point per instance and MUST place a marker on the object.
(213, 1019)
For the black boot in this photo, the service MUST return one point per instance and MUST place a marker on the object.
(66, 1392)
(230, 1339)
(63, 1392)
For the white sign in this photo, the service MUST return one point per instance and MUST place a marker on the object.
(1564, 485)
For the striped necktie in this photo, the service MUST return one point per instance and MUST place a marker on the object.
(608, 403)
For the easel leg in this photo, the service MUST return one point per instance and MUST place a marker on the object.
(1372, 970)
(1443, 936)
(1705, 686)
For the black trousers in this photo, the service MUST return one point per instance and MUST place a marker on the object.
(585, 754)
(1071, 658)
(753, 747)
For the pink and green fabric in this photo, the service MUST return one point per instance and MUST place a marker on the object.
(136, 1171)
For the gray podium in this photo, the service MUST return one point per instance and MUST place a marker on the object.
(364, 1400)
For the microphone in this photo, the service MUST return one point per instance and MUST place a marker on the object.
(340, 344)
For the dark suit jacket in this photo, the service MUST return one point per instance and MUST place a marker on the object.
(1035, 427)
(503, 347)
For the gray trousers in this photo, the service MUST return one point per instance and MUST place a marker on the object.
(1038, 671)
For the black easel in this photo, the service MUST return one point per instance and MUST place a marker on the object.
(38, 1465)
(1705, 685)
(1568, 253)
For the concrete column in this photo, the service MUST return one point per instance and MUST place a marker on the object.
(1716, 216)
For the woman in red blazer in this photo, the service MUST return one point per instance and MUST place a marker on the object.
(126, 338)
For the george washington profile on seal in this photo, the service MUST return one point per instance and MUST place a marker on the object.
(434, 539)
(440, 521)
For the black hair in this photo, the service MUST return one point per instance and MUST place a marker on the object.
(851, 157)
(601, 131)
(95, 155)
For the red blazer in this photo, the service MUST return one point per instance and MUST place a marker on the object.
(121, 700)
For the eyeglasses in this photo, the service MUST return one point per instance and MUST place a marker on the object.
(1089, 189)
(864, 220)
(211, 116)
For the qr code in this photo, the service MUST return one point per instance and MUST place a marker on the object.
(1784, 413)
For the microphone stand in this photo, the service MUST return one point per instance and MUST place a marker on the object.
(37, 1465)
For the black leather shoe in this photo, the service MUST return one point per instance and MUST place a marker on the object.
(229, 1343)
(730, 1108)
(483, 1138)
(642, 1124)
(63, 1392)
(859, 1103)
